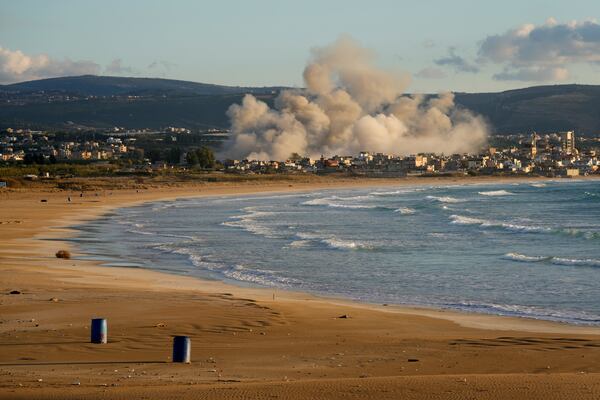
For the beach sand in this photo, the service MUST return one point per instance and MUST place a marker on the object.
(246, 342)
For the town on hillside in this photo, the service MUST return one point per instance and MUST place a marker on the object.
(178, 149)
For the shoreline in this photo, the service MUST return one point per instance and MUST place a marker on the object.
(144, 307)
(470, 319)
(466, 318)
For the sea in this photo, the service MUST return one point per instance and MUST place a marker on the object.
(526, 249)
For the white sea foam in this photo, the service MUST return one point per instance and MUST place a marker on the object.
(582, 233)
(341, 244)
(237, 272)
(332, 241)
(496, 193)
(439, 235)
(357, 198)
(580, 318)
(261, 197)
(524, 258)
(538, 185)
(141, 232)
(463, 220)
(353, 206)
(583, 262)
(299, 243)
(342, 202)
(249, 222)
(397, 192)
(241, 273)
(446, 199)
(177, 236)
(166, 205)
(519, 227)
(347, 236)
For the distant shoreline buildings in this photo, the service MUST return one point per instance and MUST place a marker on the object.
(548, 155)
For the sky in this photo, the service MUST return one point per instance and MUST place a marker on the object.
(460, 45)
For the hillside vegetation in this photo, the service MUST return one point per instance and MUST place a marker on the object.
(102, 102)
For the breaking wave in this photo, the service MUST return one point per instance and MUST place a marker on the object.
(331, 241)
(524, 258)
(339, 202)
(382, 245)
(249, 222)
(258, 276)
(140, 232)
(446, 199)
(241, 273)
(579, 318)
(464, 220)
(396, 192)
(496, 193)
(577, 262)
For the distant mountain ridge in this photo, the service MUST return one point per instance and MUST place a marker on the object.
(540, 108)
(167, 102)
(94, 85)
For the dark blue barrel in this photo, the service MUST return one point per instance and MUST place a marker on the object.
(99, 330)
(181, 349)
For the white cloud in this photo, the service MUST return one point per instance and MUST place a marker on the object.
(16, 66)
(116, 67)
(544, 52)
(431, 73)
(533, 74)
(457, 62)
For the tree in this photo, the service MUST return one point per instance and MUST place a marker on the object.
(138, 154)
(206, 157)
(40, 159)
(202, 157)
(29, 159)
(154, 155)
(174, 155)
(191, 158)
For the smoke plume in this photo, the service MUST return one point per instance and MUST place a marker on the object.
(350, 106)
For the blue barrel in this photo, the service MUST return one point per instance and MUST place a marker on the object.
(181, 349)
(99, 330)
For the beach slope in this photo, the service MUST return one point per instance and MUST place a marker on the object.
(246, 343)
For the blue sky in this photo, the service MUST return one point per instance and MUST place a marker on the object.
(442, 44)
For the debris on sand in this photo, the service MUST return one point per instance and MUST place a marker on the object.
(63, 254)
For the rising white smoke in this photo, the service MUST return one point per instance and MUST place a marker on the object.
(350, 106)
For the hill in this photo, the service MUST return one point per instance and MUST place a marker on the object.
(92, 85)
(101, 102)
(540, 108)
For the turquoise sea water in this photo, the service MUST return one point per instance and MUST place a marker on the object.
(526, 249)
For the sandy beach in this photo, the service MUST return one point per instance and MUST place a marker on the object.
(246, 342)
